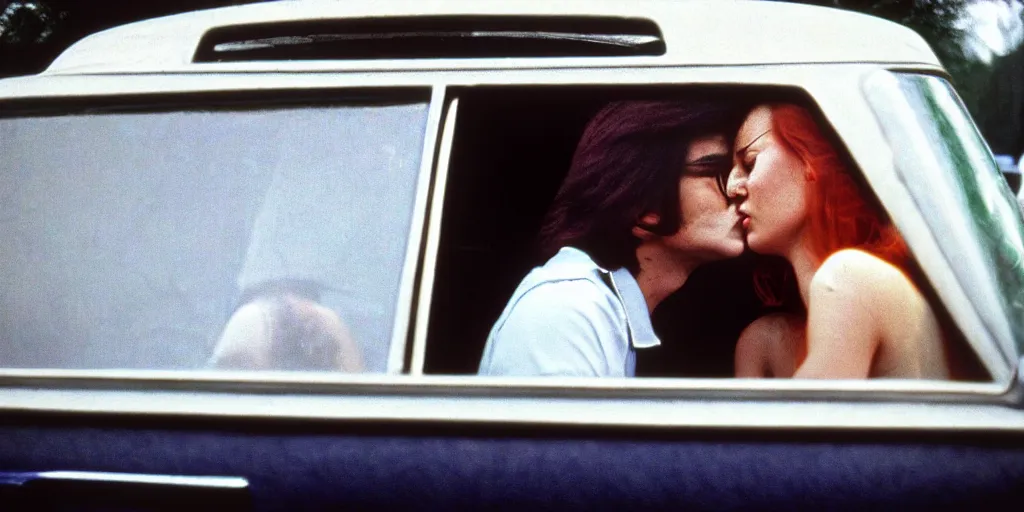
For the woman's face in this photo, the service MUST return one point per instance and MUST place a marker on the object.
(768, 182)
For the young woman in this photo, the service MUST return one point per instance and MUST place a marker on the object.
(864, 315)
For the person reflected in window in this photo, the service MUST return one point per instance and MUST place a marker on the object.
(863, 315)
(280, 325)
(642, 206)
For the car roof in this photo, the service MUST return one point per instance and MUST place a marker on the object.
(696, 32)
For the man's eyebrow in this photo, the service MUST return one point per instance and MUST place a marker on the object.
(741, 151)
(710, 158)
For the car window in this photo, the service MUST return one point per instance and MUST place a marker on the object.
(157, 240)
(969, 198)
(504, 180)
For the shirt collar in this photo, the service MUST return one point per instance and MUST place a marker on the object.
(572, 255)
(638, 319)
(622, 282)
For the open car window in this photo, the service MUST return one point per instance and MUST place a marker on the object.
(501, 181)
(159, 239)
(284, 238)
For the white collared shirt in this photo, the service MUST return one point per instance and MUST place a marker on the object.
(570, 317)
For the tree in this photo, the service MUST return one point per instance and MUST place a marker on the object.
(26, 23)
(940, 23)
(27, 31)
(937, 21)
(33, 33)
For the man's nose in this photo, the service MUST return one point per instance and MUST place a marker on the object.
(736, 184)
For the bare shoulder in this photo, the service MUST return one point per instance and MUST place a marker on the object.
(766, 347)
(858, 272)
(770, 332)
(771, 327)
(251, 321)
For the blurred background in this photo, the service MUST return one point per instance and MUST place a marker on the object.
(978, 41)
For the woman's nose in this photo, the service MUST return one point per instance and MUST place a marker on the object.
(736, 184)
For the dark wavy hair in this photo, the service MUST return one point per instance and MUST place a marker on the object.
(627, 164)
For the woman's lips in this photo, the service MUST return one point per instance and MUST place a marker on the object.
(745, 222)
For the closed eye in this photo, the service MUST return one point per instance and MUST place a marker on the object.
(707, 169)
(748, 162)
(710, 165)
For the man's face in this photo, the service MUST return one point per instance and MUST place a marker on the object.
(710, 227)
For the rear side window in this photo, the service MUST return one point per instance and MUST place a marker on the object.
(158, 240)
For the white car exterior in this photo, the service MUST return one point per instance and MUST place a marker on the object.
(846, 62)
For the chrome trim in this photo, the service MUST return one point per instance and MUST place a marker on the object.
(359, 384)
(620, 40)
(558, 407)
(215, 482)
(716, 403)
(1015, 394)
(435, 66)
(404, 304)
(419, 344)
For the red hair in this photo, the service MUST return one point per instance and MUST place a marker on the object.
(839, 216)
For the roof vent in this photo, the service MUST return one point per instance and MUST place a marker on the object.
(433, 38)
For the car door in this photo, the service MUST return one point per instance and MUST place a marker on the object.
(143, 211)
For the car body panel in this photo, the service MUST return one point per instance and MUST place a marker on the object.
(731, 32)
(307, 440)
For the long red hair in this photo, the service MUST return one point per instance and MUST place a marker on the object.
(839, 215)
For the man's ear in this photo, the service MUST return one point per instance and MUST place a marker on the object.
(646, 225)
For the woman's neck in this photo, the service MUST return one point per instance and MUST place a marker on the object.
(805, 264)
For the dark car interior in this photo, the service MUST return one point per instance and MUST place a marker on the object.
(511, 151)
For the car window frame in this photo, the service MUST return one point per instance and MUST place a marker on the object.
(839, 96)
(429, 96)
(160, 393)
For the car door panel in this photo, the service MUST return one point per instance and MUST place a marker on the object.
(308, 466)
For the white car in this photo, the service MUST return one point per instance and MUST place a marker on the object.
(390, 161)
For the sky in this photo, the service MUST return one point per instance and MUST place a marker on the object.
(995, 29)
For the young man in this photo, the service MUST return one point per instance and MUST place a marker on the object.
(642, 206)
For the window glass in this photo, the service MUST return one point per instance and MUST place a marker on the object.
(166, 240)
(970, 196)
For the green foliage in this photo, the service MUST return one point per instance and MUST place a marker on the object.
(23, 23)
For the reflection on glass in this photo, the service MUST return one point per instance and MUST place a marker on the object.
(282, 326)
(989, 208)
(132, 239)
